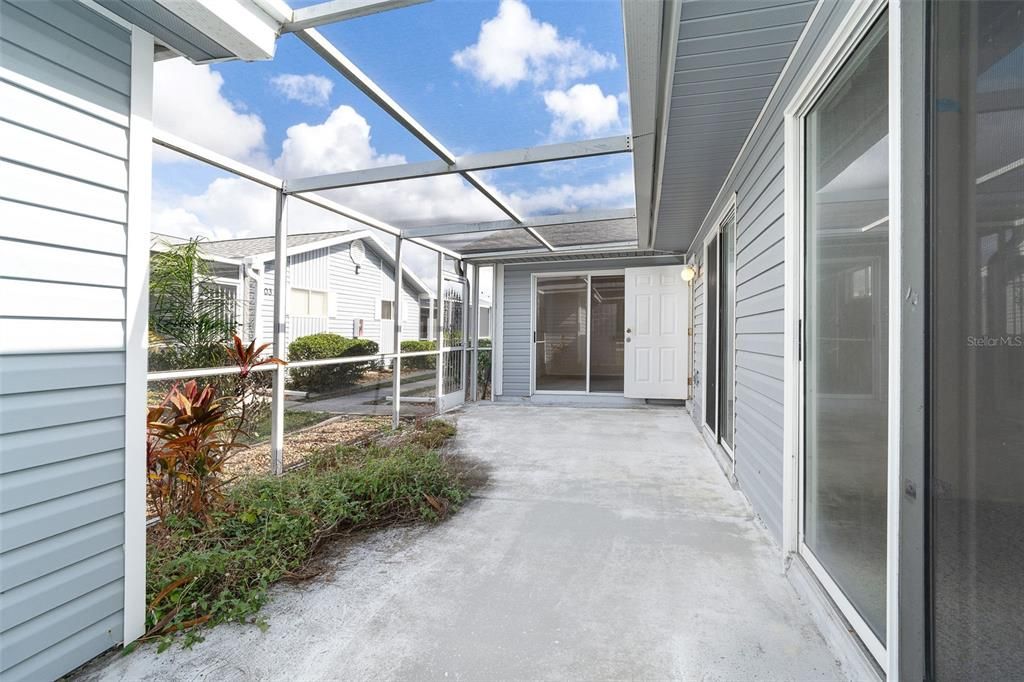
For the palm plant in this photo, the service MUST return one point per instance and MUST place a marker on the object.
(188, 316)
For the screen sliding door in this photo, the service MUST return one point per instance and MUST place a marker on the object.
(845, 343)
(607, 335)
(976, 309)
(579, 333)
(561, 332)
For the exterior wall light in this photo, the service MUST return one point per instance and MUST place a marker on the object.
(688, 273)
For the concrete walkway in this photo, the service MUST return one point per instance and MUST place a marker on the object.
(607, 545)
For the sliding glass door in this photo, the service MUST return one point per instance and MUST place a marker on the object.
(560, 338)
(976, 310)
(845, 337)
(711, 298)
(720, 331)
(607, 336)
(578, 344)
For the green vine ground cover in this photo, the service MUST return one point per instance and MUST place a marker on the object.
(269, 528)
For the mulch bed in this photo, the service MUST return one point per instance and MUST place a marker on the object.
(343, 430)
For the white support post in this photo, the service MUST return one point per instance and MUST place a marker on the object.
(439, 329)
(280, 326)
(396, 363)
(140, 186)
(474, 330)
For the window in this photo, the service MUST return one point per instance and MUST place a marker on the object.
(845, 344)
(307, 303)
(425, 321)
(485, 322)
(387, 310)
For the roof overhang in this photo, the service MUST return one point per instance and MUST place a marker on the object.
(208, 30)
(649, 29)
(722, 62)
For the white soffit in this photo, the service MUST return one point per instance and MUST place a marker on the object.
(642, 27)
(206, 30)
(729, 54)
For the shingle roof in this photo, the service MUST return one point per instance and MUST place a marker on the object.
(240, 248)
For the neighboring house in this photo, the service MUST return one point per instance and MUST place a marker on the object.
(339, 282)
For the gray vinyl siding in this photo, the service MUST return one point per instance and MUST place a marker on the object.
(697, 400)
(410, 303)
(357, 295)
(63, 207)
(351, 296)
(758, 181)
(516, 313)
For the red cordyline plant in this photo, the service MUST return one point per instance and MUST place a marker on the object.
(192, 434)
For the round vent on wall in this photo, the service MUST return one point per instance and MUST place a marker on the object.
(357, 252)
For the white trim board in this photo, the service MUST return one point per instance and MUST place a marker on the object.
(716, 231)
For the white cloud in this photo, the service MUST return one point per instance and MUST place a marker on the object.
(615, 192)
(232, 207)
(309, 89)
(187, 101)
(514, 47)
(582, 109)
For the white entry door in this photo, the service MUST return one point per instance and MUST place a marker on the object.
(656, 317)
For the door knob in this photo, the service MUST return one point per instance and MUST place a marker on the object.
(628, 330)
(628, 339)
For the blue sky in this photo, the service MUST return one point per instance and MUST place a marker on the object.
(479, 75)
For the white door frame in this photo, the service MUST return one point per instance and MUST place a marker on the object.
(716, 231)
(449, 401)
(534, 276)
(858, 21)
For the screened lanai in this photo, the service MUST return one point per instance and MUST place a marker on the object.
(434, 328)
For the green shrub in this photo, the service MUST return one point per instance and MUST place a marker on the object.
(270, 527)
(422, 361)
(483, 370)
(322, 347)
(177, 356)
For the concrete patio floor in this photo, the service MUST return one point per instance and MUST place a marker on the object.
(607, 545)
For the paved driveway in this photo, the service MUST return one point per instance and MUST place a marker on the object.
(607, 545)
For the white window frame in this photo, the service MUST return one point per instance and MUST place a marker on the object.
(859, 20)
(309, 290)
(534, 276)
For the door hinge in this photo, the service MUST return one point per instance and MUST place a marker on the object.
(689, 381)
(800, 340)
(689, 331)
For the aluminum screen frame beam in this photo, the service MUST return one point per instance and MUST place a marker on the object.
(340, 10)
(343, 65)
(541, 221)
(581, 250)
(616, 144)
(237, 168)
